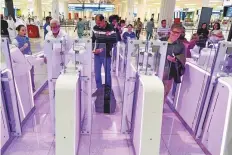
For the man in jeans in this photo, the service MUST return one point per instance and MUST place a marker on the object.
(103, 38)
(138, 26)
(150, 26)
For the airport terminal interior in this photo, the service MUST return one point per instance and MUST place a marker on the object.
(116, 77)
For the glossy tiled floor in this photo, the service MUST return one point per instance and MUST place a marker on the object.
(37, 138)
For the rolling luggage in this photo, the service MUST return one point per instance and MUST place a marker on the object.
(33, 31)
(105, 101)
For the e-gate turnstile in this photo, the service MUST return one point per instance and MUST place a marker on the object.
(16, 91)
(9, 78)
(216, 114)
(143, 60)
(71, 110)
(211, 113)
(70, 83)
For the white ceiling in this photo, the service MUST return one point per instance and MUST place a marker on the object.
(179, 3)
(150, 3)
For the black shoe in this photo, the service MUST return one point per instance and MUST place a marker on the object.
(98, 92)
(107, 93)
(95, 93)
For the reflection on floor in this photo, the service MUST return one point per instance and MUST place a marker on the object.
(37, 138)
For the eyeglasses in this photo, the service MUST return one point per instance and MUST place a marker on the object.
(176, 32)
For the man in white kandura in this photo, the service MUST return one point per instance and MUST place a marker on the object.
(55, 35)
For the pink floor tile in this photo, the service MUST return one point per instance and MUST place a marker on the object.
(182, 144)
(106, 124)
(43, 107)
(30, 144)
(38, 123)
(163, 148)
(109, 144)
(52, 150)
(171, 125)
(84, 146)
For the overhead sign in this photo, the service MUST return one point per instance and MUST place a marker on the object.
(226, 2)
(91, 7)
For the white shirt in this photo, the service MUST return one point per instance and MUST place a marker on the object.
(48, 28)
(11, 29)
(62, 35)
(164, 30)
(92, 24)
(56, 57)
(11, 23)
(15, 42)
(19, 22)
(124, 29)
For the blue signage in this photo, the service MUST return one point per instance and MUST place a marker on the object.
(91, 7)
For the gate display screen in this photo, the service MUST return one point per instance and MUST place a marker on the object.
(227, 12)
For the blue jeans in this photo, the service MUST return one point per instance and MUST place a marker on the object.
(106, 62)
(174, 89)
(149, 35)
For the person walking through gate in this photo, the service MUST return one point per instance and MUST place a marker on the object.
(80, 28)
(174, 66)
(47, 27)
(104, 37)
(138, 26)
(149, 27)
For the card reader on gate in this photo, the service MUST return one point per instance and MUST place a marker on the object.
(23, 63)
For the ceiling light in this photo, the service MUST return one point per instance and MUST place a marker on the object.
(190, 4)
(215, 1)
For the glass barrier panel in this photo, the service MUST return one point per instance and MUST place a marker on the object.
(39, 68)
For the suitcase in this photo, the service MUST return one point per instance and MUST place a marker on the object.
(105, 101)
(33, 31)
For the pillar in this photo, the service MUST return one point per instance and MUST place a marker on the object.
(66, 10)
(141, 9)
(73, 15)
(123, 11)
(10, 8)
(205, 3)
(116, 10)
(167, 9)
(38, 9)
(55, 9)
(130, 11)
(119, 10)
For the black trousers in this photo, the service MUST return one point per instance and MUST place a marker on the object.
(138, 34)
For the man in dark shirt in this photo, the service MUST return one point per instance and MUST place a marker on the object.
(4, 28)
(103, 38)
